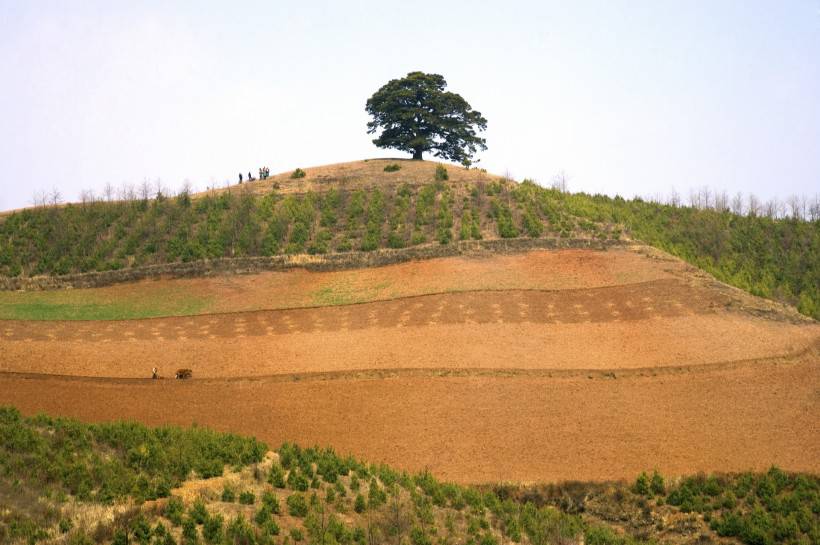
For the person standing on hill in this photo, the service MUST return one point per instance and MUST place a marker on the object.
(240, 177)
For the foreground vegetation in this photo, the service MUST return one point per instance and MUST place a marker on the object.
(776, 257)
(54, 471)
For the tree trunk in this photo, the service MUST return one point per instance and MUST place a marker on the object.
(417, 154)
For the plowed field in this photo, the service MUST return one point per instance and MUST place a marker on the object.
(631, 363)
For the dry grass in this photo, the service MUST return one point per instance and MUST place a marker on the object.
(362, 174)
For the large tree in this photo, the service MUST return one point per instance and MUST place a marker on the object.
(416, 115)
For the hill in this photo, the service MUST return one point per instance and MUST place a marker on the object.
(65, 481)
(362, 207)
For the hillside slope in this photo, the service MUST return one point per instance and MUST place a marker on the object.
(68, 482)
(361, 207)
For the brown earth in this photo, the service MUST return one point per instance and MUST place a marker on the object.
(615, 363)
(478, 429)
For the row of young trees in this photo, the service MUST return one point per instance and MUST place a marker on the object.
(105, 235)
(771, 250)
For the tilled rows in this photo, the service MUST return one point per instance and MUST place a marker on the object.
(661, 298)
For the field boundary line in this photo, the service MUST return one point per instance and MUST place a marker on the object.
(805, 355)
(362, 303)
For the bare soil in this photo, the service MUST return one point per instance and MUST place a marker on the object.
(608, 364)
(481, 429)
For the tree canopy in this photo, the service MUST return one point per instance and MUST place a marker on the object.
(417, 115)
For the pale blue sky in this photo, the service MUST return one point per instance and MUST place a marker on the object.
(631, 97)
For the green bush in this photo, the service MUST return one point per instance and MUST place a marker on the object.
(392, 167)
(656, 485)
(228, 494)
(276, 477)
(212, 530)
(270, 500)
(297, 505)
(298, 173)
(198, 512)
(441, 173)
(247, 498)
(642, 484)
(174, 511)
(359, 505)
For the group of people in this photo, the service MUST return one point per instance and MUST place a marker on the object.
(264, 172)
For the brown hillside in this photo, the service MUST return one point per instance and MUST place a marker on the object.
(545, 366)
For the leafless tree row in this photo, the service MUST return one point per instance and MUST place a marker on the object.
(794, 206)
(126, 192)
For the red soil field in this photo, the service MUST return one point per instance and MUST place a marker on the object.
(599, 375)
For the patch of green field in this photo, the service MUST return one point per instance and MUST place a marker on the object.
(345, 293)
(89, 305)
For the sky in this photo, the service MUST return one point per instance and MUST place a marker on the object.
(626, 97)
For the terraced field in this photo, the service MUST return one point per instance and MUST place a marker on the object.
(544, 366)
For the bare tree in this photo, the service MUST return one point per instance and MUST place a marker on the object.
(560, 182)
(753, 208)
(145, 189)
(55, 197)
(187, 188)
(40, 198)
(694, 198)
(674, 198)
(814, 209)
(772, 208)
(705, 197)
(108, 191)
(126, 192)
(795, 206)
(161, 191)
(737, 204)
(86, 196)
(396, 516)
(721, 201)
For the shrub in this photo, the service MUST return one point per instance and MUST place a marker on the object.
(298, 173)
(642, 484)
(174, 511)
(277, 476)
(212, 529)
(271, 501)
(297, 481)
(240, 531)
(395, 240)
(359, 505)
(198, 512)
(262, 515)
(441, 173)
(228, 494)
(296, 534)
(392, 167)
(271, 528)
(247, 498)
(656, 486)
(297, 505)
(189, 534)
(418, 237)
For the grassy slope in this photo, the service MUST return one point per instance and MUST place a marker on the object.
(358, 206)
(55, 472)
